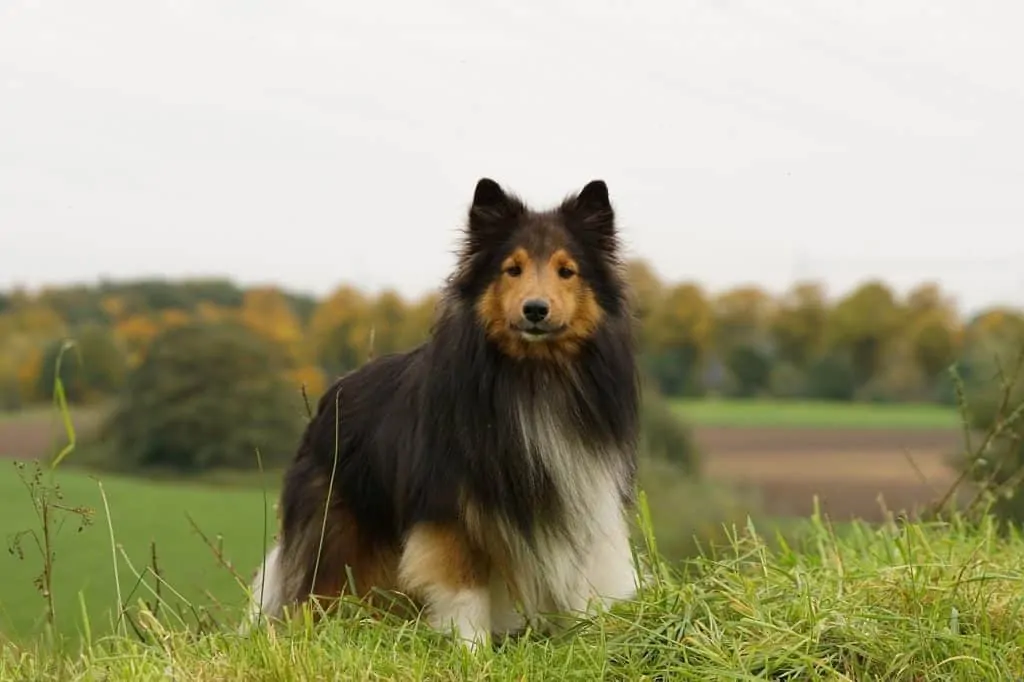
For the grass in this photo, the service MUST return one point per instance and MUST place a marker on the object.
(906, 602)
(141, 512)
(784, 413)
(230, 505)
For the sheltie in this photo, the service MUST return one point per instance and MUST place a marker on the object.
(487, 474)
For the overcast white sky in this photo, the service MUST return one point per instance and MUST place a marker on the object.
(311, 143)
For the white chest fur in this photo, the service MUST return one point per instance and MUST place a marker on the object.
(589, 554)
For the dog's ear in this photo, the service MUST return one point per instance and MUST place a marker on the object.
(488, 194)
(591, 211)
(593, 197)
(491, 208)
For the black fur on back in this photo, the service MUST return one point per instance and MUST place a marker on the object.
(418, 432)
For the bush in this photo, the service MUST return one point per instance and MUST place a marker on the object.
(689, 514)
(206, 396)
(787, 381)
(93, 368)
(664, 436)
(750, 369)
(831, 378)
(990, 403)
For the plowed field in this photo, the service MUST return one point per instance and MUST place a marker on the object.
(847, 468)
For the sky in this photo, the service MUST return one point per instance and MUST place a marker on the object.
(312, 143)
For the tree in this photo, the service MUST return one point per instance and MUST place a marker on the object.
(340, 330)
(932, 330)
(387, 317)
(798, 326)
(647, 293)
(862, 325)
(750, 369)
(136, 333)
(268, 313)
(831, 377)
(681, 329)
(741, 317)
(92, 368)
(207, 396)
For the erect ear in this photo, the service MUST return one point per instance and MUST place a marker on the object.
(592, 211)
(488, 194)
(594, 197)
(491, 206)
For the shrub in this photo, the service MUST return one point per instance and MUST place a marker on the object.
(787, 381)
(206, 396)
(95, 367)
(664, 436)
(689, 514)
(994, 394)
(831, 377)
(750, 369)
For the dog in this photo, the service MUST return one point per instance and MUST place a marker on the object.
(488, 473)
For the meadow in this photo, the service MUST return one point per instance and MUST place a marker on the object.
(913, 602)
(786, 594)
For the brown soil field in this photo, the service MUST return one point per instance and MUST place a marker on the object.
(849, 469)
(41, 433)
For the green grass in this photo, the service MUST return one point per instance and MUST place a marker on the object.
(911, 603)
(140, 512)
(816, 414)
(230, 504)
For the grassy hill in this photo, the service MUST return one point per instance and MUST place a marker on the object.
(895, 603)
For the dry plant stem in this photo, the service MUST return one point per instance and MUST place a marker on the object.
(305, 400)
(217, 550)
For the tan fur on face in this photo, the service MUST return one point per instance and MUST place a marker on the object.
(571, 302)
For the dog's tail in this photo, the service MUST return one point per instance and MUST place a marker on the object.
(267, 591)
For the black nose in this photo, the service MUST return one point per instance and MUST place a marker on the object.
(535, 310)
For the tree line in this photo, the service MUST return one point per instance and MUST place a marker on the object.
(868, 344)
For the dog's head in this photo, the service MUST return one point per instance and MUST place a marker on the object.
(540, 282)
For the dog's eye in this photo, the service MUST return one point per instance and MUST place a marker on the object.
(565, 273)
(513, 271)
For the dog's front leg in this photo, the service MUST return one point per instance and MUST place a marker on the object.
(439, 567)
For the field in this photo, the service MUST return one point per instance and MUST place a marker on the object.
(846, 601)
(141, 512)
(785, 454)
(853, 457)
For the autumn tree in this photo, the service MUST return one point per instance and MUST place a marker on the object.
(647, 295)
(269, 313)
(932, 331)
(91, 368)
(862, 325)
(682, 328)
(25, 328)
(207, 396)
(741, 317)
(797, 327)
(340, 331)
(387, 317)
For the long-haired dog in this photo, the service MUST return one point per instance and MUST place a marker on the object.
(487, 473)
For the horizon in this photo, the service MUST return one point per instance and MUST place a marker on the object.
(741, 144)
